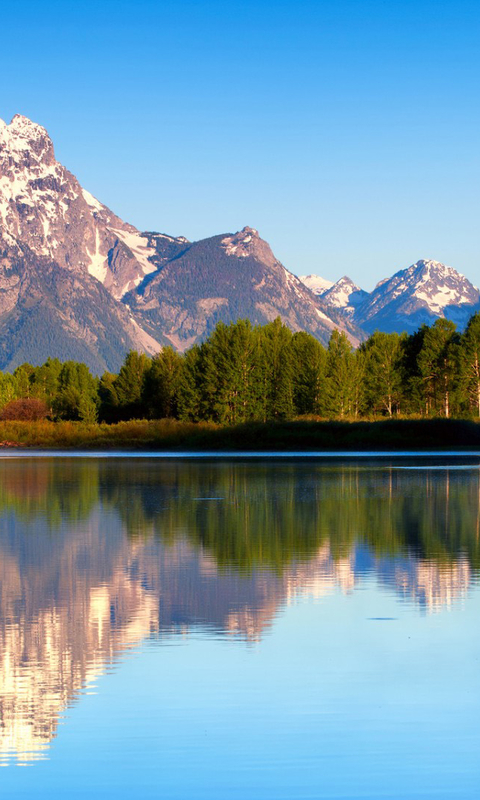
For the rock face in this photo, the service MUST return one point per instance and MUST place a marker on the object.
(43, 206)
(228, 277)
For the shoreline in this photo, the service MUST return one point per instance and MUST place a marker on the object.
(314, 437)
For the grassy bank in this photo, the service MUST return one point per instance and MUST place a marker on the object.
(303, 434)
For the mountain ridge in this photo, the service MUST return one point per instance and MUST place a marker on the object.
(76, 278)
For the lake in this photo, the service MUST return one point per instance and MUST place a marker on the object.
(247, 628)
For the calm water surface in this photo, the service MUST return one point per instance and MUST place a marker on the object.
(291, 628)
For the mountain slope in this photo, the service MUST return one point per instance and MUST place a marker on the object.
(225, 278)
(416, 295)
(46, 310)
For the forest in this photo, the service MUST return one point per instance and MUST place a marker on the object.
(244, 373)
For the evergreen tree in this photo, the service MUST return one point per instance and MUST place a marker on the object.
(309, 358)
(161, 384)
(129, 385)
(230, 373)
(190, 385)
(108, 399)
(413, 400)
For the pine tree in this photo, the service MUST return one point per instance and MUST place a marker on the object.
(130, 383)
(190, 386)
(309, 358)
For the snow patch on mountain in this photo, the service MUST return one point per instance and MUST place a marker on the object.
(344, 294)
(241, 244)
(92, 201)
(316, 283)
(138, 244)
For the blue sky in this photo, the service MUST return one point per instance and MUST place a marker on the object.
(347, 132)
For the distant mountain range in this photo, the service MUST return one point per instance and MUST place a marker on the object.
(78, 282)
(419, 294)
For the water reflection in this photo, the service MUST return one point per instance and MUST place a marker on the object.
(97, 556)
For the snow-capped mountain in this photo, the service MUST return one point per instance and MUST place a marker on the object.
(43, 206)
(416, 295)
(78, 282)
(344, 294)
(316, 283)
(65, 259)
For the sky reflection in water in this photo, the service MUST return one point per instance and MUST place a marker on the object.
(239, 629)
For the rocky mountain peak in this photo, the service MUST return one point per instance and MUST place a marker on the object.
(24, 141)
(43, 206)
(419, 294)
(343, 294)
(316, 283)
(431, 283)
(248, 244)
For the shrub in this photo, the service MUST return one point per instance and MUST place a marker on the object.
(26, 408)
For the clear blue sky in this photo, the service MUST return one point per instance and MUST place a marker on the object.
(347, 132)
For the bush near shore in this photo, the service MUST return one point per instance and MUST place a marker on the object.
(308, 434)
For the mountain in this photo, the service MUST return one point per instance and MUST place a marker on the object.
(43, 206)
(65, 261)
(228, 277)
(315, 283)
(78, 282)
(344, 294)
(416, 295)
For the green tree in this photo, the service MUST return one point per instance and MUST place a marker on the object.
(45, 381)
(129, 385)
(310, 359)
(8, 388)
(161, 384)
(189, 407)
(277, 371)
(24, 375)
(340, 377)
(108, 399)
(438, 366)
(470, 363)
(77, 397)
(383, 372)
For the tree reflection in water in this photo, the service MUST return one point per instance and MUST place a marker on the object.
(98, 555)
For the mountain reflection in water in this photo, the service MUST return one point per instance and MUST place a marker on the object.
(98, 555)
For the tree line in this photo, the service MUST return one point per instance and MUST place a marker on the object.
(247, 373)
